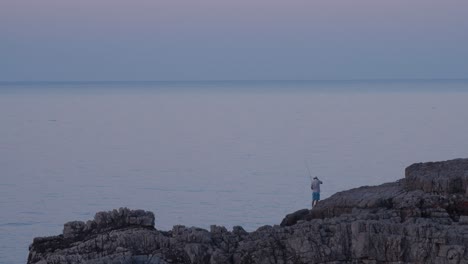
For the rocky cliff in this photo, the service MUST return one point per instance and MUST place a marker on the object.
(422, 218)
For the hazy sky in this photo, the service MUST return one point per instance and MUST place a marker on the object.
(232, 39)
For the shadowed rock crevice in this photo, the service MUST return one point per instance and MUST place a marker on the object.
(420, 219)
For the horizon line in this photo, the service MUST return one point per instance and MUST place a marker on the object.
(227, 80)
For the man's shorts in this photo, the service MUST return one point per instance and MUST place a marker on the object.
(315, 196)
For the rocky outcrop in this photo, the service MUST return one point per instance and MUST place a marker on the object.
(447, 177)
(420, 219)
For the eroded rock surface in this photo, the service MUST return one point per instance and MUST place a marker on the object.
(446, 177)
(420, 219)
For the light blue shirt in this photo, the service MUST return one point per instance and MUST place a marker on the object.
(315, 186)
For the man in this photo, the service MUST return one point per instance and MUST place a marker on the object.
(315, 186)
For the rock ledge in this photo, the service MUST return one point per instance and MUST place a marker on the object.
(420, 219)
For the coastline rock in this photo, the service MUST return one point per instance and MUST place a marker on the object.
(420, 219)
(292, 218)
(105, 221)
(446, 177)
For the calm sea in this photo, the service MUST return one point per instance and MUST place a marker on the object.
(202, 153)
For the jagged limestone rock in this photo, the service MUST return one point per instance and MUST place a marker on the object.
(444, 177)
(420, 219)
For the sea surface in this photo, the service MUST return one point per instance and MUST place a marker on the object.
(202, 153)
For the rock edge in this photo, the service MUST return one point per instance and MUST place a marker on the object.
(422, 218)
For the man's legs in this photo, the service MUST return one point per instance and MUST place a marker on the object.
(315, 198)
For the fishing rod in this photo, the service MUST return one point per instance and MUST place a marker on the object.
(307, 165)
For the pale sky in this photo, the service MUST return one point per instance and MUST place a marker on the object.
(90, 40)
